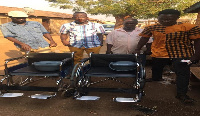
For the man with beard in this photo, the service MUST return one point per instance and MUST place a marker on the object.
(174, 42)
(27, 35)
(82, 35)
(124, 40)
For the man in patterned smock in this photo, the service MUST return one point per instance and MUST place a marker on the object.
(173, 42)
(27, 35)
(82, 35)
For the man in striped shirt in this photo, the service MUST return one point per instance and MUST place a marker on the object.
(82, 35)
(173, 42)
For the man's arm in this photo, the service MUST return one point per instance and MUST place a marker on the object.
(148, 50)
(10, 36)
(108, 51)
(23, 45)
(196, 56)
(100, 35)
(52, 42)
(65, 39)
(143, 41)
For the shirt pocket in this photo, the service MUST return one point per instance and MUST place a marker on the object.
(91, 32)
(120, 40)
(75, 32)
(36, 29)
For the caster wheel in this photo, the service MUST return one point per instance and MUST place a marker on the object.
(140, 94)
(143, 93)
(67, 93)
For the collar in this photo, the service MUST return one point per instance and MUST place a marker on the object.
(14, 24)
(121, 29)
(73, 23)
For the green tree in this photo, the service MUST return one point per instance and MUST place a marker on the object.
(141, 9)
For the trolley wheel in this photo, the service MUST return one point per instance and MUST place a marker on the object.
(67, 93)
(140, 96)
(141, 93)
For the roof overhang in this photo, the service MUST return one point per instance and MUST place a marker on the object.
(195, 8)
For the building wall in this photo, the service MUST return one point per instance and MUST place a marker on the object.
(2, 21)
(55, 25)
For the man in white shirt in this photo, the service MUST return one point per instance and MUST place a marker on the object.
(124, 40)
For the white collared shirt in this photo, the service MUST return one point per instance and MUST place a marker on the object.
(123, 42)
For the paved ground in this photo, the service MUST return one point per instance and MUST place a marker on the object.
(159, 97)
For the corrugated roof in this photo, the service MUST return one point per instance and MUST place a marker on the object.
(37, 13)
(195, 8)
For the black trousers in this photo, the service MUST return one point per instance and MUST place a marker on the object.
(181, 69)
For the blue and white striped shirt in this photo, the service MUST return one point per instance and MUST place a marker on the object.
(83, 35)
(31, 33)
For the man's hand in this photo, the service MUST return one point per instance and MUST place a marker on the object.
(23, 45)
(66, 43)
(53, 44)
(143, 41)
(109, 52)
(148, 50)
(137, 51)
(26, 47)
(49, 37)
(65, 39)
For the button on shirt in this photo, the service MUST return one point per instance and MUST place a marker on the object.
(123, 42)
(83, 35)
(31, 33)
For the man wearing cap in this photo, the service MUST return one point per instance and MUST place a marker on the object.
(27, 35)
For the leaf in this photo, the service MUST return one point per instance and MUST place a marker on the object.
(143, 9)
